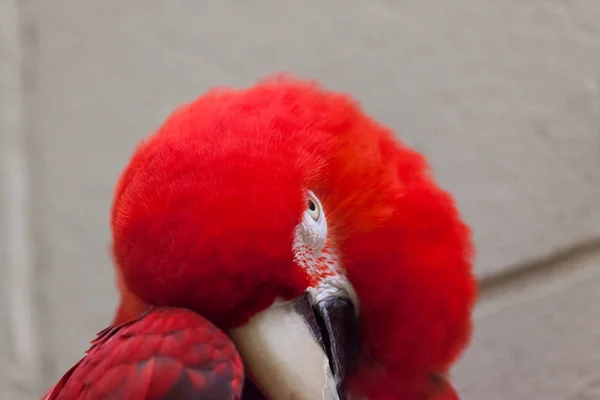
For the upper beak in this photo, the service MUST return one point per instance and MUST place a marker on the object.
(299, 349)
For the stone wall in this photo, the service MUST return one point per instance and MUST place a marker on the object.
(503, 97)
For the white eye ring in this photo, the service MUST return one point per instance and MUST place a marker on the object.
(313, 207)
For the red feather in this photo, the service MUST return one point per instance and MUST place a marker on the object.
(165, 354)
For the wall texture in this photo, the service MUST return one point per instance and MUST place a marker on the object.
(503, 97)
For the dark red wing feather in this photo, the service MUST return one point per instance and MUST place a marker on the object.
(165, 354)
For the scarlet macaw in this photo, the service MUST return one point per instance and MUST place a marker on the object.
(301, 228)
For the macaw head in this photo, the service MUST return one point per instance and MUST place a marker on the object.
(301, 227)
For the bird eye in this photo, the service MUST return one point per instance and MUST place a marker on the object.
(313, 208)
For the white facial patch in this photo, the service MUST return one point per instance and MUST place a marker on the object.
(312, 230)
(316, 254)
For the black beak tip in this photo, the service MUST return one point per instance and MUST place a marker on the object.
(333, 324)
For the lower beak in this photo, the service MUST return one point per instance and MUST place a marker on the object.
(295, 350)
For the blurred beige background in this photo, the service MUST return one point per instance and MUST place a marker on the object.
(502, 96)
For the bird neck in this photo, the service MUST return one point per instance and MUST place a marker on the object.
(130, 306)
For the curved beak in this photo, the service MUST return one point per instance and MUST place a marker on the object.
(300, 349)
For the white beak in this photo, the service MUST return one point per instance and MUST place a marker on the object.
(282, 356)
